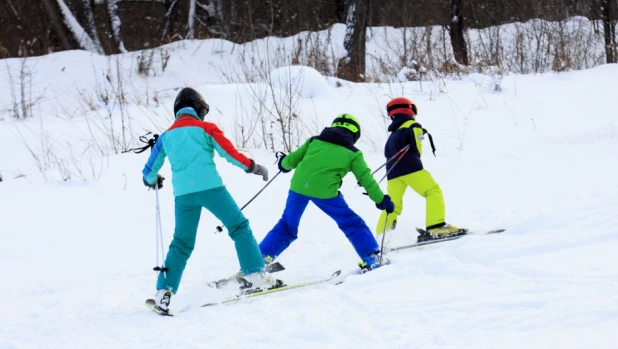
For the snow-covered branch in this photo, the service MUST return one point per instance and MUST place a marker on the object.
(191, 21)
(76, 29)
(114, 21)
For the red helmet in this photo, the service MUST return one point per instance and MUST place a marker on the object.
(401, 105)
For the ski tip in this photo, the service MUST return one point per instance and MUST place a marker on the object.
(209, 304)
(150, 304)
(496, 231)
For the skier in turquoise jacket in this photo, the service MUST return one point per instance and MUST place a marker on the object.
(190, 144)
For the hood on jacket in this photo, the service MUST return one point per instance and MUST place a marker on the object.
(398, 120)
(339, 136)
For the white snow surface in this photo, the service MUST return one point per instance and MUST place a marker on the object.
(308, 82)
(538, 158)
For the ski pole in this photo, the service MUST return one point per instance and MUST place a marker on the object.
(391, 158)
(404, 149)
(159, 235)
(150, 143)
(383, 236)
(220, 227)
(396, 162)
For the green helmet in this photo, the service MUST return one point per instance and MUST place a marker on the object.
(348, 122)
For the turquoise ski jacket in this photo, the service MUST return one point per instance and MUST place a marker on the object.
(190, 144)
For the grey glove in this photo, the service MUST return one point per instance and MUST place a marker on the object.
(258, 170)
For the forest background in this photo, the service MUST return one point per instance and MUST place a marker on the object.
(32, 28)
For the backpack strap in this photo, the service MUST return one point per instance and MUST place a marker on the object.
(433, 147)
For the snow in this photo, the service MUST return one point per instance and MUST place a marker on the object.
(306, 81)
(538, 158)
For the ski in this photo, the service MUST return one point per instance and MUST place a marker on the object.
(271, 268)
(275, 289)
(456, 236)
(150, 304)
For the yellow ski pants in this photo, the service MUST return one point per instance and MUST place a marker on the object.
(423, 183)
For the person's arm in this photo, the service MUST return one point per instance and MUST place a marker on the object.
(292, 160)
(226, 149)
(363, 175)
(155, 162)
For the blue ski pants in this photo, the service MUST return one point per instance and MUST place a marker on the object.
(286, 230)
(188, 209)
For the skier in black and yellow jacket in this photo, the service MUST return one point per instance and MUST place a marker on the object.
(407, 170)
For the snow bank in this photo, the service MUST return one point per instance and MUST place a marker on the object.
(308, 82)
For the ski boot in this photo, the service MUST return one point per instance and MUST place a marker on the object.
(161, 301)
(440, 232)
(372, 262)
(269, 267)
(256, 282)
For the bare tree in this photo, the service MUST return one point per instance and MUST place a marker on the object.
(170, 19)
(608, 15)
(85, 12)
(456, 30)
(352, 66)
(78, 32)
(56, 19)
(191, 20)
(606, 11)
(195, 18)
(115, 24)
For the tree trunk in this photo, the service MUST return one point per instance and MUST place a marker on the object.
(456, 31)
(170, 19)
(79, 34)
(339, 11)
(352, 66)
(609, 31)
(115, 24)
(87, 16)
(191, 21)
(55, 18)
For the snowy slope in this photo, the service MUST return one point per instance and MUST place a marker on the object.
(538, 158)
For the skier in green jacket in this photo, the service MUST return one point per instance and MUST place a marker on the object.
(321, 163)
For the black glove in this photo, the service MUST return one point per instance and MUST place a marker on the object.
(386, 204)
(160, 180)
(258, 170)
(281, 156)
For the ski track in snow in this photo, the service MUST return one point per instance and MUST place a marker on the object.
(78, 256)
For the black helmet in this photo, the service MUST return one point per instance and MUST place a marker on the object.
(188, 97)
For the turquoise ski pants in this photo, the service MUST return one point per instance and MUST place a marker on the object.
(188, 209)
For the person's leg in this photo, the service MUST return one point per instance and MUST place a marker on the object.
(222, 205)
(396, 189)
(286, 230)
(187, 217)
(350, 223)
(423, 183)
